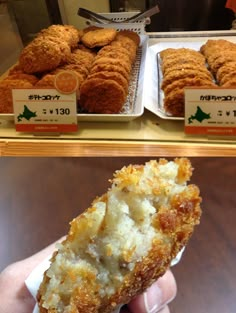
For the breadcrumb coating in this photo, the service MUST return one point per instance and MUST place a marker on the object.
(184, 73)
(6, 86)
(47, 81)
(174, 101)
(114, 52)
(98, 37)
(67, 33)
(225, 69)
(220, 55)
(43, 54)
(117, 77)
(99, 95)
(22, 76)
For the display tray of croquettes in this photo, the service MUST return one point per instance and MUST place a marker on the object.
(174, 65)
(107, 63)
(120, 72)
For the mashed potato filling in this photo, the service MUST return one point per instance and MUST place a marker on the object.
(107, 241)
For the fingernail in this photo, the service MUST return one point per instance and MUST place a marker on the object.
(153, 299)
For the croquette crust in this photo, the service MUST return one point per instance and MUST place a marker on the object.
(102, 96)
(98, 37)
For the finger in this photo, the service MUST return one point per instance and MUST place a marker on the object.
(156, 297)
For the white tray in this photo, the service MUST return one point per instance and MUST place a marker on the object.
(153, 94)
(134, 106)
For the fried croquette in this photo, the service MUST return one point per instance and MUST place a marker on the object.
(126, 40)
(47, 80)
(61, 48)
(179, 74)
(124, 241)
(43, 54)
(211, 59)
(91, 28)
(230, 83)
(228, 77)
(225, 69)
(85, 53)
(129, 46)
(130, 34)
(126, 43)
(67, 33)
(188, 82)
(22, 76)
(118, 62)
(113, 76)
(219, 53)
(115, 54)
(112, 51)
(104, 96)
(98, 37)
(6, 86)
(214, 45)
(188, 66)
(220, 61)
(15, 69)
(81, 46)
(179, 60)
(110, 68)
(82, 58)
(174, 101)
(172, 53)
(106, 87)
(188, 56)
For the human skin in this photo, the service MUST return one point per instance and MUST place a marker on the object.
(15, 297)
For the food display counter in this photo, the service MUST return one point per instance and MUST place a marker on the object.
(146, 135)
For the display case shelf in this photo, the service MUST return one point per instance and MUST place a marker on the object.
(147, 135)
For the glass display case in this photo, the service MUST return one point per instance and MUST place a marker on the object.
(146, 134)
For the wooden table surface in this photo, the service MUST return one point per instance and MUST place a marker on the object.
(39, 196)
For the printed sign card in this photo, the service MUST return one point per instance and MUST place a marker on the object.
(44, 110)
(210, 111)
(47, 110)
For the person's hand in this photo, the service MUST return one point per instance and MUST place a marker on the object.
(15, 296)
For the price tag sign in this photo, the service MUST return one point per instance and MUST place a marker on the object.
(44, 110)
(210, 111)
